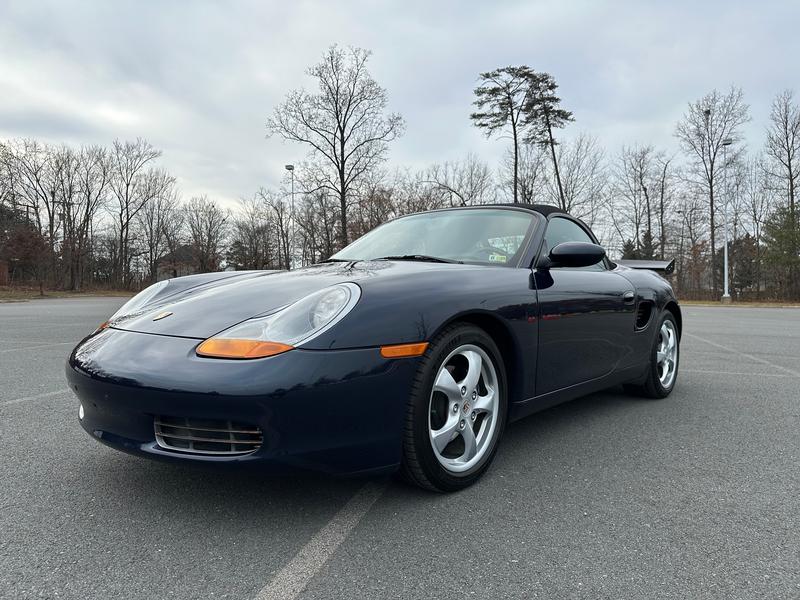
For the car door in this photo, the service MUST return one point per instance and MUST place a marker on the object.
(586, 315)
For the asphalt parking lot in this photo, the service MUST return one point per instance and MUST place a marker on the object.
(695, 496)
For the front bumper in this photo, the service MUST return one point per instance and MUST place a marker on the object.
(334, 411)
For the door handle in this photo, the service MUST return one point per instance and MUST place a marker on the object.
(628, 297)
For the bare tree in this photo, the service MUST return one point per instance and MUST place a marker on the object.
(375, 204)
(756, 200)
(583, 178)
(36, 181)
(156, 221)
(783, 144)
(207, 225)
(629, 206)
(65, 163)
(282, 219)
(703, 132)
(93, 174)
(6, 179)
(464, 182)
(783, 153)
(643, 186)
(665, 179)
(343, 123)
(252, 245)
(174, 230)
(756, 192)
(692, 259)
(531, 172)
(132, 188)
(415, 192)
(318, 223)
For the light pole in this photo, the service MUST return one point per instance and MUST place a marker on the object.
(680, 248)
(290, 168)
(726, 297)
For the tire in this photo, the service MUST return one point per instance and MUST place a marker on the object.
(658, 383)
(440, 408)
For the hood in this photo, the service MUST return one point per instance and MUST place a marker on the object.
(204, 310)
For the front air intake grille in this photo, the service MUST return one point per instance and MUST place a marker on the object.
(204, 436)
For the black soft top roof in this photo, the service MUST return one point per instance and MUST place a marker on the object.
(544, 209)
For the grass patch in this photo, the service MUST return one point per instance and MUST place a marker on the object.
(743, 304)
(23, 293)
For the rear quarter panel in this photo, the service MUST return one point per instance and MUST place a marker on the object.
(650, 286)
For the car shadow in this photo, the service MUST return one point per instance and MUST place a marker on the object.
(205, 489)
(522, 439)
(585, 408)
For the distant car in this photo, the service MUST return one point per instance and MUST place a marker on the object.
(410, 349)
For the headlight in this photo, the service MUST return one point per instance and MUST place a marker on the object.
(137, 302)
(279, 332)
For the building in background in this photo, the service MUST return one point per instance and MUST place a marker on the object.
(178, 263)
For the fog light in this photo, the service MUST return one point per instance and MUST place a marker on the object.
(80, 412)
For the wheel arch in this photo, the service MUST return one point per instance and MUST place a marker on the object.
(502, 336)
(672, 306)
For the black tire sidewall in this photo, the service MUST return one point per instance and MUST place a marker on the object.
(454, 337)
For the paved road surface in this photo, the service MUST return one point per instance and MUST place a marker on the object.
(605, 497)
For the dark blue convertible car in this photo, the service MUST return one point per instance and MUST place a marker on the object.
(410, 349)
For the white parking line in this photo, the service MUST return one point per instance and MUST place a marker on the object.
(292, 579)
(744, 354)
(36, 397)
(701, 372)
(37, 347)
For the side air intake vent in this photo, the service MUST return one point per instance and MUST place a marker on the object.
(204, 436)
(643, 312)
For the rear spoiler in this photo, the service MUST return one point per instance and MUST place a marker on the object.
(661, 266)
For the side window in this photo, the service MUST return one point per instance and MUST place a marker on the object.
(561, 230)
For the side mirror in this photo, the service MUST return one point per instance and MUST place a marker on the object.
(572, 254)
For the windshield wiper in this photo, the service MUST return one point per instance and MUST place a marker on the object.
(421, 258)
(338, 260)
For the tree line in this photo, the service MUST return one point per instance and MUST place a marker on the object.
(112, 216)
(72, 218)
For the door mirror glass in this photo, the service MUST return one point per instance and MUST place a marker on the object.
(573, 254)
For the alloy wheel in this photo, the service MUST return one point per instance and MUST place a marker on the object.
(463, 408)
(667, 353)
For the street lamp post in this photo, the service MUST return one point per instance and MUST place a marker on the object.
(726, 297)
(680, 248)
(290, 168)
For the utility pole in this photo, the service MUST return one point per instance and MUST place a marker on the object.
(726, 297)
(290, 168)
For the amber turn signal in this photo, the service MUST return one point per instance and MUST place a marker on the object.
(233, 348)
(404, 350)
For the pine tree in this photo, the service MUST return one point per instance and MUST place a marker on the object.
(523, 102)
(629, 251)
(781, 238)
(500, 99)
(647, 249)
(543, 113)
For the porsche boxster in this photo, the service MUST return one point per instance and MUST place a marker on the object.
(409, 350)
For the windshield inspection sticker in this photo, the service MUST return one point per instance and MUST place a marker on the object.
(497, 258)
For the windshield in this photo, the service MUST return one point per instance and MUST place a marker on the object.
(481, 235)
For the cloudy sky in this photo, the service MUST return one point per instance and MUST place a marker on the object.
(198, 79)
